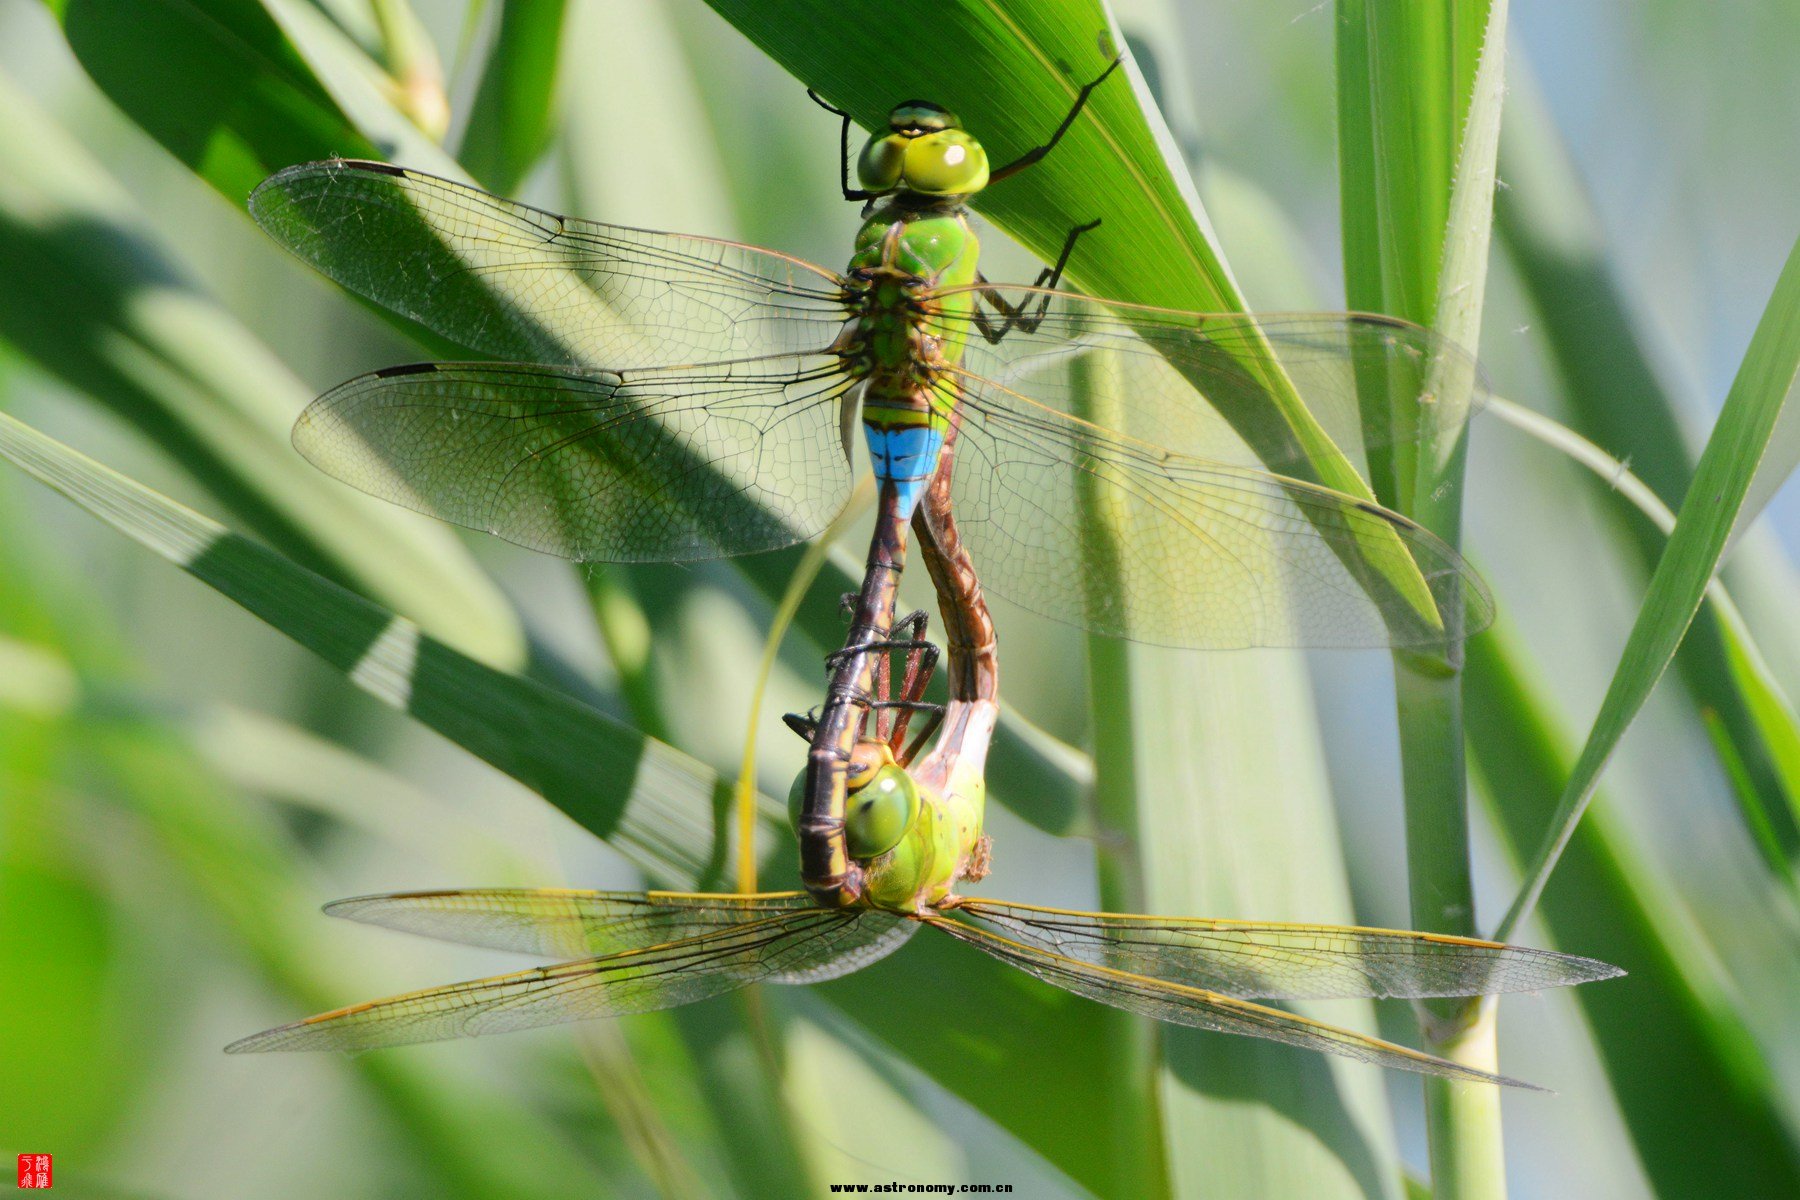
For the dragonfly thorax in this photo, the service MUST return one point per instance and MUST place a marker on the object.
(911, 269)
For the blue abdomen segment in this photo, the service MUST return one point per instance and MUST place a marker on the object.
(905, 456)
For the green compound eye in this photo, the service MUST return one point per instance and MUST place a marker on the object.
(879, 166)
(879, 814)
(950, 163)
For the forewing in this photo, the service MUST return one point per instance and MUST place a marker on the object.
(1202, 1009)
(1198, 383)
(663, 465)
(1288, 962)
(1083, 524)
(522, 284)
(568, 922)
(657, 977)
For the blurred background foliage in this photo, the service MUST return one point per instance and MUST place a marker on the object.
(180, 790)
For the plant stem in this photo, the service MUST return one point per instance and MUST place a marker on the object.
(1420, 89)
(1462, 1120)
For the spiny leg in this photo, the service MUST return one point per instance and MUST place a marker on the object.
(1033, 155)
(893, 715)
(921, 662)
(915, 640)
(881, 701)
(850, 193)
(1029, 315)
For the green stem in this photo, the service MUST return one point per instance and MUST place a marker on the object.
(1462, 1120)
(1429, 700)
(1420, 87)
(1141, 1166)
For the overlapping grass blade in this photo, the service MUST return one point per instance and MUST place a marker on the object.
(112, 315)
(665, 811)
(1765, 381)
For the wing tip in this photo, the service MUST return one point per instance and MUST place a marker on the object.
(1589, 970)
(266, 1041)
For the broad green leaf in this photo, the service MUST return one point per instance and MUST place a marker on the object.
(649, 799)
(246, 103)
(120, 844)
(111, 315)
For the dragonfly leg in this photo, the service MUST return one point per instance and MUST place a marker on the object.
(1030, 314)
(1033, 155)
(911, 629)
(921, 662)
(850, 193)
(805, 724)
(934, 718)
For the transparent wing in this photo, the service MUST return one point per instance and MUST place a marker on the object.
(1288, 962)
(1182, 1005)
(645, 980)
(526, 285)
(570, 923)
(1084, 524)
(1196, 383)
(654, 465)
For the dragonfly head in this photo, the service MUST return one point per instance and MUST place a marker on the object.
(925, 151)
(878, 814)
(881, 801)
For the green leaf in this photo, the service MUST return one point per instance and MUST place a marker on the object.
(1607, 894)
(1668, 1031)
(1770, 715)
(1616, 396)
(651, 800)
(1764, 381)
(111, 315)
(105, 777)
(509, 122)
(247, 103)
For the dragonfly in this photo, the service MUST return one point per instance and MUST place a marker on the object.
(914, 826)
(650, 396)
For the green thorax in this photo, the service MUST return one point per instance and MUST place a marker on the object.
(907, 257)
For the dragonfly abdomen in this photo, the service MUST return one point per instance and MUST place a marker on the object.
(904, 448)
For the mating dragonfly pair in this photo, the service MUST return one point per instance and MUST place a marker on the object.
(1145, 473)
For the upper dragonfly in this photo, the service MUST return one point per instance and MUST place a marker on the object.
(665, 397)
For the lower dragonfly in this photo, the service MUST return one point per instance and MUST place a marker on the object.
(914, 827)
